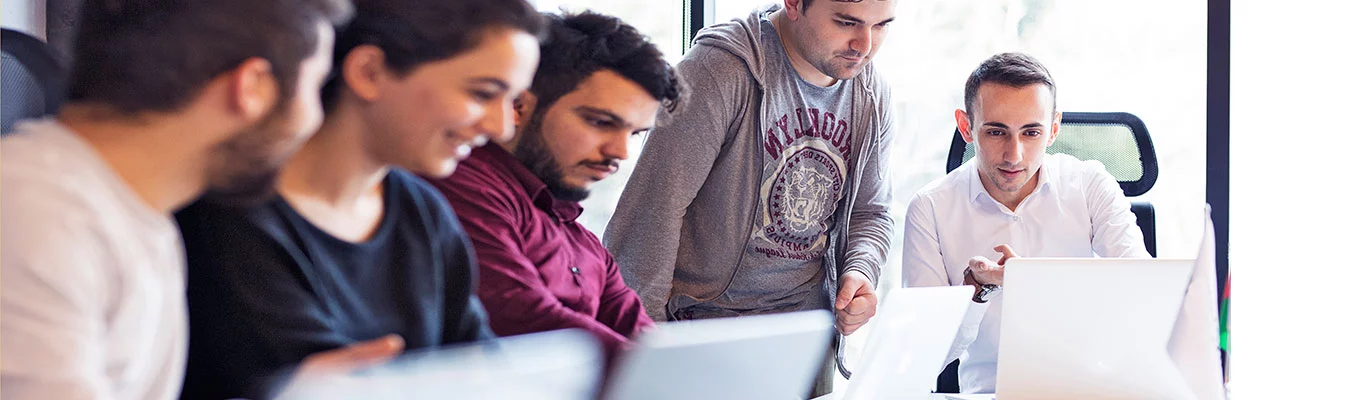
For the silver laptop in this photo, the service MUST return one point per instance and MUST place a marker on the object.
(754, 357)
(555, 365)
(908, 344)
(1091, 328)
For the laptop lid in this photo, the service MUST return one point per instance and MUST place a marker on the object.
(1090, 328)
(555, 365)
(909, 340)
(754, 357)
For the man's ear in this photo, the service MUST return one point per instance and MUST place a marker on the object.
(364, 70)
(1055, 129)
(253, 90)
(794, 9)
(524, 104)
(963, 126)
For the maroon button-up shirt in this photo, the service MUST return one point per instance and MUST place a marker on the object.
(540, 270)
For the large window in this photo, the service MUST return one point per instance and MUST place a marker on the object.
(662, 21)
(1105, 56)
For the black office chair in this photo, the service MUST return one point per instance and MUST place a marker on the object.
(31, 78)
(1118, 140)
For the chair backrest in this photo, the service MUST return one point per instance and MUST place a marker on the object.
(31, 78)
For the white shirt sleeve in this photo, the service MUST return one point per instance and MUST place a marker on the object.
(53, 314)
(1113, 231)
(924, 266)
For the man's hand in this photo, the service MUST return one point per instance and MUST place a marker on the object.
(855, 301)
(986, 272)
(351, 358)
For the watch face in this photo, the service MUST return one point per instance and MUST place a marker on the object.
(986, 293)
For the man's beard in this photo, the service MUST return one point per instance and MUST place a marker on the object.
(245, 189)
(248, 171)
(827, 61)
(532, 152)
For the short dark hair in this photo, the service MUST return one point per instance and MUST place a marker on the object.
(805, 5)
(579, 44)
(156, 55)
(414, 32)
(1012, 69)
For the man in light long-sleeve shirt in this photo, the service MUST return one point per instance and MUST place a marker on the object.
(1011, 200)
(598, 83)
(167, 100)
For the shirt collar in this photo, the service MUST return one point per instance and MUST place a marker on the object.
(1046, 179)
(539, 193)
(977, 188)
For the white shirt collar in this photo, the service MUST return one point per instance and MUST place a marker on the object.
(1045, 181)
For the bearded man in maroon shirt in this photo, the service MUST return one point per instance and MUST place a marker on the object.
(599, 82)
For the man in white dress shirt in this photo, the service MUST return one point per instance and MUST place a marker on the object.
(1011, 200)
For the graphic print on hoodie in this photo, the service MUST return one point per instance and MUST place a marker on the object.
(806, 140)
(683, 233)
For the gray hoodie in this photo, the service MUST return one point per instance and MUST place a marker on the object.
(682, 226)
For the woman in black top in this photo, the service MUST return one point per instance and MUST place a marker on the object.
(356, 249)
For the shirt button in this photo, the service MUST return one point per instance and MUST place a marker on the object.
(1017, 218)
(575, 270)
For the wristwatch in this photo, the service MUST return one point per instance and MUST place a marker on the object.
(984, 292)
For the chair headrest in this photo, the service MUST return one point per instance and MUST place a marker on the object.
(33, 77)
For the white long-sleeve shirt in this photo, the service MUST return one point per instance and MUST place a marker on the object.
(1077, 210)
(92, 280)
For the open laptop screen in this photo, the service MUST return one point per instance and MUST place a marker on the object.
(1091, 328)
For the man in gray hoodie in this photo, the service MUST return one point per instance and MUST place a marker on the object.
(767, 190)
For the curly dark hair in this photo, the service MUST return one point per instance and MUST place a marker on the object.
(579, 44)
